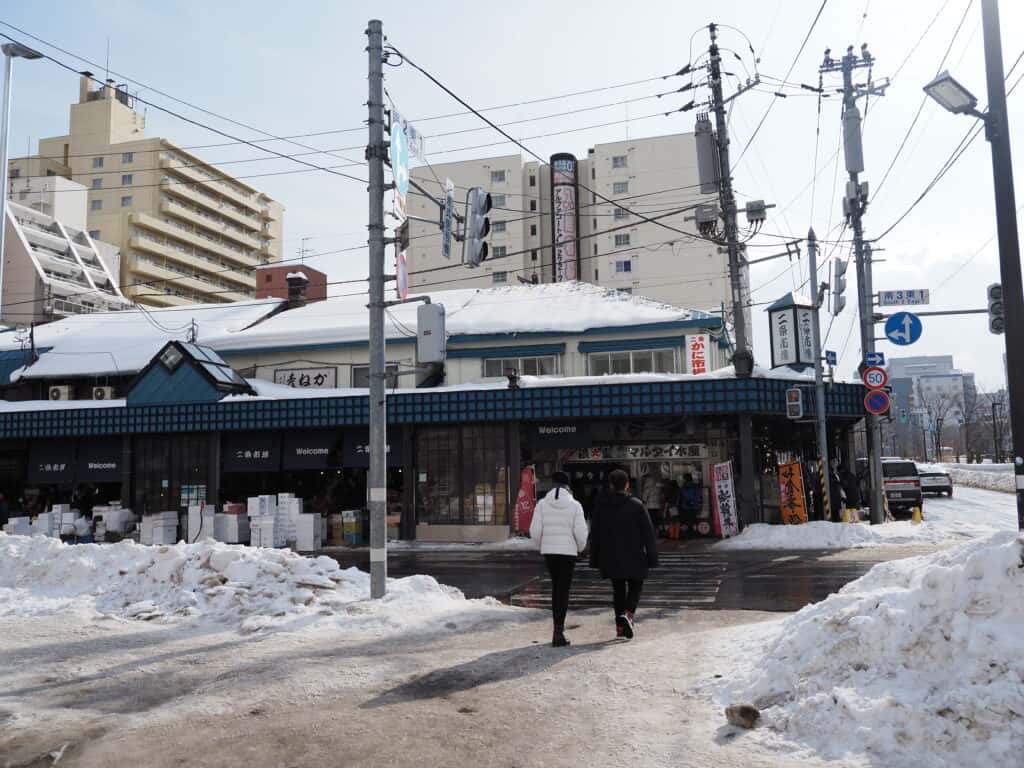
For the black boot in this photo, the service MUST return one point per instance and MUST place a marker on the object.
(558, 638)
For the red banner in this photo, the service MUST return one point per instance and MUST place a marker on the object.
(525, 501)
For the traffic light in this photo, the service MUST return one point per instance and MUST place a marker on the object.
(838, 285)
(794, 403)
(478, 226)
(996, 315)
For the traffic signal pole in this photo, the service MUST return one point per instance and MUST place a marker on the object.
(376, 152)
(998, 134)
(819, 383)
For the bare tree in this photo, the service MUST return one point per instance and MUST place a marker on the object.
(938, 405)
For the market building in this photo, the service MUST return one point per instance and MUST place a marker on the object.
(186, 427)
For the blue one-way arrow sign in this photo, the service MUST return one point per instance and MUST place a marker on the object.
(874, 358)
(903, 328)
(830, 357)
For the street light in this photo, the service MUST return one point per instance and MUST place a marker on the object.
(11, 51)
(957, 99)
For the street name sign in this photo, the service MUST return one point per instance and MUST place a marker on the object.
(913, 297)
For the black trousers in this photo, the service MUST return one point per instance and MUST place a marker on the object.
(626, 594)
(561, 568)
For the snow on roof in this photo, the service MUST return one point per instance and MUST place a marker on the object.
(292, 275)
(565, 307)
(119, 343)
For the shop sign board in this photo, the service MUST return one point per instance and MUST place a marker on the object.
(792, 502)
(697, 353)
(310, 449)
(726, 518)
(660, 451)
(99, 461)
(307, 378)
(51, 461)
(784, 343)
(526, 501)
(252, 452)
(560, 435)
(564, 218)
(805, 334)
(356, 450)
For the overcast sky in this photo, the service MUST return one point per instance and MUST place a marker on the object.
(299, 68)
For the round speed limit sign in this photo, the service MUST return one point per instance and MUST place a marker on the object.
(875, 377)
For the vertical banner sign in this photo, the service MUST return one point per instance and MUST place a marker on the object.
(446, 222)
(697, 353)
(402, 276)
(564, 218)
(792, 503)
(400, 167)
(784, 343)
(726, 519)
(805, 333)
(525, 501)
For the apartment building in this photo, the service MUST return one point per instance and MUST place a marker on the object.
(187, 231)
(615, 248)
(52, 267)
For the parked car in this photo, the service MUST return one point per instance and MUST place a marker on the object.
(902, 486)
(935, 480)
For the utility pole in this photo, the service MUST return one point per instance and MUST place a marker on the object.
(743, 358)
(855, 202)
(998, 134)
(819, 384)
(376, 151)
(995, 432)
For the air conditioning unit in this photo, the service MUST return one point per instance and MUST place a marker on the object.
(102, 393)
(61, 392)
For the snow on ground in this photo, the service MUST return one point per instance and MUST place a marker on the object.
(992, 477)
(245, 587)
(512, 544)
(971, 513)
(920, 662)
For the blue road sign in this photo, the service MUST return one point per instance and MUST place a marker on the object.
(830, 357)
(400, 159)
(874, 358)
(903, 328)
(876, 401)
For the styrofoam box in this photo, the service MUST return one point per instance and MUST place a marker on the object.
(18, 526)
(231, 529)
(307, 536)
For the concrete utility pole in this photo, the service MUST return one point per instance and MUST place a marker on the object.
(998, 134)
(743, 359)
(819, 383)
(376, 151)
(854, 203)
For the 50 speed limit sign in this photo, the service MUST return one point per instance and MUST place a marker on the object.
(875, 377)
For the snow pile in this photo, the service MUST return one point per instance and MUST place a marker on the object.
(994, 477)
(825, 535)
(247, 587)
(920, 662)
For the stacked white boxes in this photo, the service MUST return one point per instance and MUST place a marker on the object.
(66, 517)
(289, 509)
(200, 522)
(263, 528)
(159, 529)
(308, 533)
(46, 524)
(18, 526)
(114, 518)
(231, 529)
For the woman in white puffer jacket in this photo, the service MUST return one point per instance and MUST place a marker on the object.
(560, 530)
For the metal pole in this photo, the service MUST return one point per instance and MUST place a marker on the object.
(743, 358)
(995, 434)
(819, 383)
(998, 134)
(376, 487)
(4, 128)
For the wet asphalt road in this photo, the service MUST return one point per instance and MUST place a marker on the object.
(691, 575)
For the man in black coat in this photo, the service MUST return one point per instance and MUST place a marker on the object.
(622, 547)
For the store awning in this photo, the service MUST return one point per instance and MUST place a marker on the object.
(312, 449)
(100, 460)
(51, 461)
(252, 451)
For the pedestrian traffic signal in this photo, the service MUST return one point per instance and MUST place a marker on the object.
(996, 315)
(478, 226)
(794, 403)
(838, 285)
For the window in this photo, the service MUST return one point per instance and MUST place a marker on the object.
(127, 157)
(593, 173)
(461, 476)
(533, 255)
(94, 234)
(596, 275)
(543, 365)
(621, 213)
(126, 201)
(15, 173)
(361, 376)
(624, 265)
(533, 230)
(500, 251)
(595, 249)
(268, 278)
(126, 179)
(97, 183)
(497, 226)
(498, 201)
(97, 162)
(638, 361)
(622, 239)
(497, 177)
(619, 161)
(533, 181)
(499, 277)
(533, 205)
(595, 223)
(50, 172)
(96, 205)
(620, 187)
(23, 195)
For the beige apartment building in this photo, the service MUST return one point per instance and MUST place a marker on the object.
(187, 231)
(650, 176)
